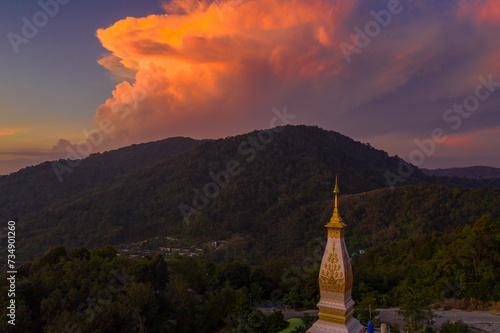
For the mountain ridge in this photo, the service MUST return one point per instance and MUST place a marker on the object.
(286, 174)
(41, 187)
(473, 172)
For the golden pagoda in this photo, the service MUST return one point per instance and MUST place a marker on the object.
(335, 282)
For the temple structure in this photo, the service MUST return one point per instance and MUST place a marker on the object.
(335, 282)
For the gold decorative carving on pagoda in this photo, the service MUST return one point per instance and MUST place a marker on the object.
(331, 277)
(330, 311)
(335, 233)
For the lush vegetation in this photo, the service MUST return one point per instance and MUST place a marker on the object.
(461, 263)
(98, 291)
(457, 327)
(283, 192)
(295, 169)
(375, 219)
(37, 187)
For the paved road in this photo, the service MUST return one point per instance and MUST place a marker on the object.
(485, 321)
(290, 313)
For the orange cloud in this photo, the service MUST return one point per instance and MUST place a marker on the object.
(462, 141)
(481, 11)
(475, 142)
(476, 147)
(204, 60)
(207, 69)
(10, 131)
(118, 70)
(7, 131)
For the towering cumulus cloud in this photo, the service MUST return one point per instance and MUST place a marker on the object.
(383, 71)
(204, 67)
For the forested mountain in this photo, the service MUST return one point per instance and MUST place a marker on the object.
(378, 217)
(475, 172)
(36, 187)
(277, 175)
(271, 193)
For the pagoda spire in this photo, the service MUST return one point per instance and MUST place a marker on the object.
(336, 220)
(336, 307)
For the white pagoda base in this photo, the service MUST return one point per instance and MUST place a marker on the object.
(336, 318)
(353, 326)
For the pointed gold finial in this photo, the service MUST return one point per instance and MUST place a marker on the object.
(336, 220)
(336, 191)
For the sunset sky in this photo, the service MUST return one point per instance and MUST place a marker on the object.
(392, 73)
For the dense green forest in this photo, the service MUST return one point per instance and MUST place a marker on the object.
(98, 291)
(298, 165)
(283, 184)
(463, 263)
(36, 187)
(291, 228)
